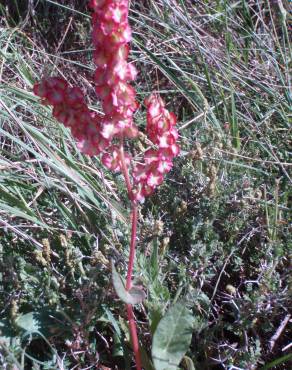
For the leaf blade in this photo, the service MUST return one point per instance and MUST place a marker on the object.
(133, 296)
(172, 338)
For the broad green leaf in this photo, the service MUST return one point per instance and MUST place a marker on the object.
(29, 322)
(134, 296)
(172, 337)
(43, 323)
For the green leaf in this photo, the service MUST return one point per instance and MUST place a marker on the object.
(117, 346)
(43, 323)
(172, 337)
(134, 296)
(278, 361)
(146, 361)
(29, 322)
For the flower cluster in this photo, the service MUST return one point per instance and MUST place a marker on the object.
(69, 108)
(96, 133)
(111, 35)
(157, 162)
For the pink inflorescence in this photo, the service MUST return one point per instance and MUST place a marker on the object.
(96, 133)
(69, 108)
(157, 162)
(111, 35)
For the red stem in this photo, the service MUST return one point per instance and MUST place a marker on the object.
(132, 246)
(130, 313)
(134, 336)
(125, 170)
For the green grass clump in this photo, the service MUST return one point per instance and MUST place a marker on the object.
(216, 234)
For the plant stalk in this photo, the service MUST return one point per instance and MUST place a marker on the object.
(134, 216)
(125, 171)
(132, 246)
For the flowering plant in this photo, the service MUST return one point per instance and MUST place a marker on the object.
(105, 134)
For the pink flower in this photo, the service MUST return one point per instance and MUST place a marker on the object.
(157, 162)
(96, 133)
(111, 35)
(112, 158)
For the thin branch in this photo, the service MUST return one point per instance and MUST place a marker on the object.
(279, 331)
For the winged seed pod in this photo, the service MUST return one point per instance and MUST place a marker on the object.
(101, 134)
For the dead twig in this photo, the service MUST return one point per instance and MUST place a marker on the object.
(279, 331)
